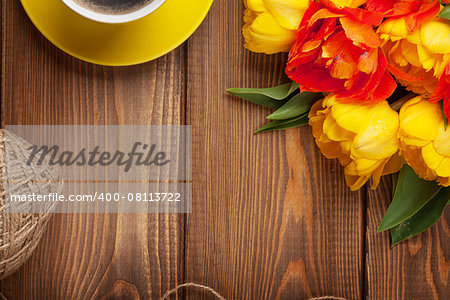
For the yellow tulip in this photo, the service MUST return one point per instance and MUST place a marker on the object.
(423, 53)
(424, 140)
(362, 136)
(271, 25)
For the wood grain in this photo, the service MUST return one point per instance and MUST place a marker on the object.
(415, 269)
(91, 256)
(271, 218)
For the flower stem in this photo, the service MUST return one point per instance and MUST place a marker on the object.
(399, 103)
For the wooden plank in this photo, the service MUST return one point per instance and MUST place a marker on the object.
(91, 256)
(415, 269)
(271, 217)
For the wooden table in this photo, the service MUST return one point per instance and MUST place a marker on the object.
(271, 217)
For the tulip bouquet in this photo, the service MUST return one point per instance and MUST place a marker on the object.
(372, 79)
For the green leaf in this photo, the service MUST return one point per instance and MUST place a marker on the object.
(268, 97)
(297, 105)
(285, 124)
(445, 13)
(277, 93)
(423, 219)
(411, 194)
(394, 183)
(444, 117)
(259, 99)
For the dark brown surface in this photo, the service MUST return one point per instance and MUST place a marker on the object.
(83, 256)
(271, 217)
(416, 269)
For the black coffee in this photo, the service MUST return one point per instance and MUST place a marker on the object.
(115, 7)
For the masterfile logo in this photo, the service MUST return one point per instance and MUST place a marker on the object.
(140, 155)
(104, 168)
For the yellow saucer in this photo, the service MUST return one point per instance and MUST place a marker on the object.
(117, 44)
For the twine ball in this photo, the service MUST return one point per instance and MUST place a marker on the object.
(21, 232)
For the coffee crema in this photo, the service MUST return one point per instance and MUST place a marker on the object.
(113, 7)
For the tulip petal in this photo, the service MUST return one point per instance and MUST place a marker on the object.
(399, 74)
(435, 35)
(360, 33)
(421, 120)
(385, 88)
(288, 13)
(444, 181)
(356, 182)
(342, 56)
(413, 12)
(374, 88)
(368, 61)
(350, 115)
(442, 143)
(410, 53)
(424, 142)
(440, 164)
(348, 3)
(442, 91)
(334, 132)
(255, 5)
(380, 5)
(426, 58)
(413, 157)
(323, 14)
(419, 14)
(376, 175)
(377, 137)
(394, 164)
(363, 166)
(393, 29)
(313, 78)
(329, 150)
(364, 16)
(265, 35)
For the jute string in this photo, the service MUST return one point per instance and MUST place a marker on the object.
(207, 289)
(195, 285)
(21, 232)
(212, 291)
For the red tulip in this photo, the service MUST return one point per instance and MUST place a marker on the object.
(337, 50)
